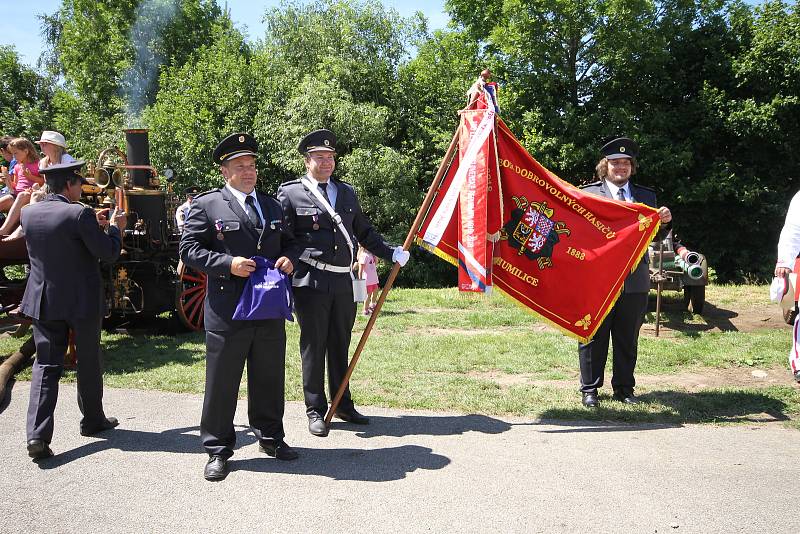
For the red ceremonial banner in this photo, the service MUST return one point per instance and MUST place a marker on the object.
(559, 251)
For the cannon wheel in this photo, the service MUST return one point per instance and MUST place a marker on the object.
(697, 296)
(190, 295)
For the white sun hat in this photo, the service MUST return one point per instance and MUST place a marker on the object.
(55, 138)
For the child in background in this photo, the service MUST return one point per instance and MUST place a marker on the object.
(368, 271)
(27, 179)
(26, 171)
(6, 171)
(54, 148)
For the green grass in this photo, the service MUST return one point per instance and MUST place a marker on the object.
(441, 350)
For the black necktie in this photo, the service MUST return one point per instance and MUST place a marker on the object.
(621, 194)
(324, 188)
(252, 214)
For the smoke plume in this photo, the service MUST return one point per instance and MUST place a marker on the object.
(152, 17)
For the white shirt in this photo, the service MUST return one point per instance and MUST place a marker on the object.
(239, 196)
(330, 191)
(625, 190)
(180, 215)
(789, 242)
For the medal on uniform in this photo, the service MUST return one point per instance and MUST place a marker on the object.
(315, 226)
(218, 227)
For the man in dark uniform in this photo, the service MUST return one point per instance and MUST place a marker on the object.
(65, 292)
(226, 227)
(623, 322)
(322, 280)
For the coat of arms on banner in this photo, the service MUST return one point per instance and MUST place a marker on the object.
(532, 231)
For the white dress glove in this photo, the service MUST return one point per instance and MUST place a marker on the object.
(400, 256)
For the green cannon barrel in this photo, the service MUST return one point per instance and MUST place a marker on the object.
(693, 270)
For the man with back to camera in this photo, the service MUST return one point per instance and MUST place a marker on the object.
(322, 281)
(65, 292)
(225, 227)
(617, 165)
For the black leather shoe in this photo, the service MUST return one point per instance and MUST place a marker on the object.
(626, 396)
(590, 399)
(38, 449)
(216, 468)
(797, 376)
(277, 449)
(352, 416)
(317, 426)
(108, 424)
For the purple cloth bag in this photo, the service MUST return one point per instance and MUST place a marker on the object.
(267, 294)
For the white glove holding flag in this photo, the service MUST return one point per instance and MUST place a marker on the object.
(400, 256)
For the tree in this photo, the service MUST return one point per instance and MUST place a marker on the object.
(25, 97)
(752, 172)
(108, 54)
(707, 87)
(209, 96)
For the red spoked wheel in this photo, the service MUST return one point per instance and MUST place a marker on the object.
(190, 295)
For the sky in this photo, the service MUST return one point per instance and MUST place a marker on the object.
(21, 27)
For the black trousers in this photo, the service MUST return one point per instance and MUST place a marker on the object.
(263, 349)
(622, 325)
(52, 338)
(326, 323)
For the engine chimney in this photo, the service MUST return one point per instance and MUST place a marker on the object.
(137, 147)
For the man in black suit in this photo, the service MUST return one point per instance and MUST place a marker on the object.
(322, 282)
(65, 292)
(623, 322)
(225, 227)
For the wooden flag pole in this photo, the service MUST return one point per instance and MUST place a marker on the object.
(423, 210)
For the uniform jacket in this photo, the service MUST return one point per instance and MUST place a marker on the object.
(308, 221)
(639, 280)
(207, 249)
(65, 243)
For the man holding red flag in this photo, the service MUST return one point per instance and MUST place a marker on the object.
(509, 223)
(624, 320)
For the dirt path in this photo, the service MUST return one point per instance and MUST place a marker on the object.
(740, 316)
(740, 377)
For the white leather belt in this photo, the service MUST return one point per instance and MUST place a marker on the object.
(322, 266)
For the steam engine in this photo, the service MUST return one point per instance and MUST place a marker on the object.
(146, 280)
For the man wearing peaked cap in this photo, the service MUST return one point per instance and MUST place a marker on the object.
(235, 146)
(615, 168)
(225, 227)
(620, 148)
(56, 174)
(323, 280)
(65, 292)
(183, 210)
(317, 141)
